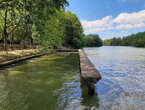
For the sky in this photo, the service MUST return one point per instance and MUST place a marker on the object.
(110, 18)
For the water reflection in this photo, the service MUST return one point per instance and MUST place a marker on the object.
(122, 86)
(74, 96)
(13, 93)
(34, 85)
(53, 82)
(89, 101)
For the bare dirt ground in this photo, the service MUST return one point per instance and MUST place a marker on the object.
(4, 56)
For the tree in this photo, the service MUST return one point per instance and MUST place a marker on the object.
(46, 17)
(73, 30)
(26, 18)
(137, 40)
(92, 40)
(10, 19)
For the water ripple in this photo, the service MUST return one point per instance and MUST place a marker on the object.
(123, 72)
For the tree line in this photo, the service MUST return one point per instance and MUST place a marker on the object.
(44, 23)
(136, 40)
(91, 40)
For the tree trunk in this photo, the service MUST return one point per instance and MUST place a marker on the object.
(23, 41)
(5, 34)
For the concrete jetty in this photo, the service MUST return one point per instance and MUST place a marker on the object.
(89, 74)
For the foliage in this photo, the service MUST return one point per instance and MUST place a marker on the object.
(92, 41)
(137, 40)
(22, 21)
(44, 23)
(72, 30)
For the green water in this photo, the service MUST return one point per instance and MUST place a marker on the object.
(53, 82)
(45, 83)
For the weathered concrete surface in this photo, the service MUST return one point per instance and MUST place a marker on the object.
(89, 74)
(16, 60)
(88, 71)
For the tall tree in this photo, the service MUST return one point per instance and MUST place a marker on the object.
(92, 40)
(73, 30)
(10, 10)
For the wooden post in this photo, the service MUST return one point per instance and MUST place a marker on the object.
(91, 89)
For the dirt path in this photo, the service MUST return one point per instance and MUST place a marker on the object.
(4, 56)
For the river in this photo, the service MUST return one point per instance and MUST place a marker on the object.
(123, 70)
(53, 82)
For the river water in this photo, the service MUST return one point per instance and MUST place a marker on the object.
(123, 70)
(53, 82)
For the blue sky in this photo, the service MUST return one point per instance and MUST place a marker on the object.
(110, 18)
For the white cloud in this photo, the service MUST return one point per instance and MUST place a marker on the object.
(122, 26)
(122, 21)
(99, 29)
(105, 22)
(130, 18)
(130, 26)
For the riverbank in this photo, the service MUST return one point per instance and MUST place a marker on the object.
(15, 56)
